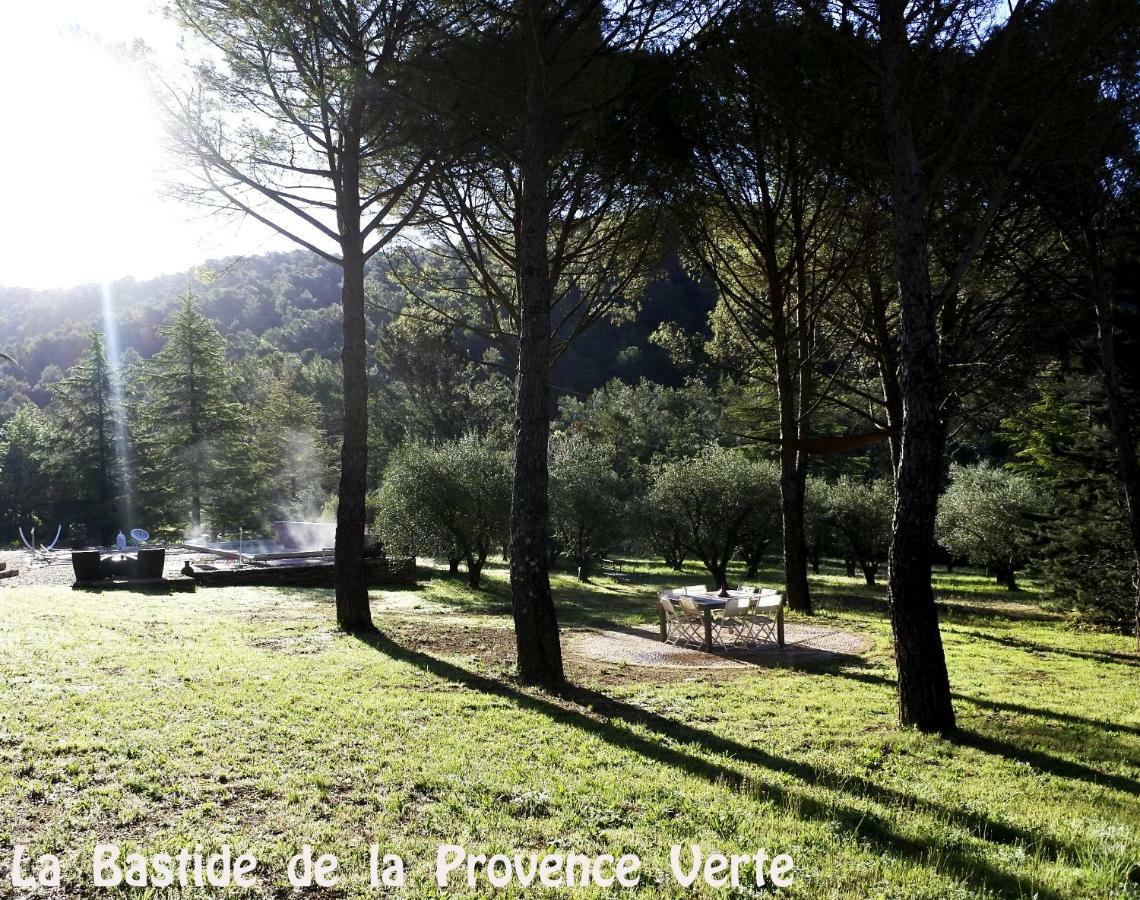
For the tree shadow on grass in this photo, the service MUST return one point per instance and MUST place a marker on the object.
(951, 607)
(1067, 718)
(1045, 762)
(1108, 657)
(791, 656)
(164, 588)
(859, 668)
(593, 712)
(1041, 761)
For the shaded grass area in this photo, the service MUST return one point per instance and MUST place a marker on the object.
(242, 716)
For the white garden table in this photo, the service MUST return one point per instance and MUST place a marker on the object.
(709, 601)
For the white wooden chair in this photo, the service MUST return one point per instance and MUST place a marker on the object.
(695, 589)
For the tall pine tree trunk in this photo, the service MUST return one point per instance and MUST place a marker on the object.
(923, 682)
(196, 449)
(795, 544)
(791, 468)
(536, 625)
(795, 527)
(1119, 416)
(352, 610)
(107, 533)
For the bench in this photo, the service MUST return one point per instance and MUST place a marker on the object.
(615, 569)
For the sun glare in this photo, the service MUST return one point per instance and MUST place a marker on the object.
(84, 153)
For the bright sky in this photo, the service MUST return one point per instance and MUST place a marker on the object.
(81, 153)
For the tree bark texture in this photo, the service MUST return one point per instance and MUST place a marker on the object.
(792, 472)
(888, 367)
(923, 682)
(352, 610)
(536, 624)
(475, 563)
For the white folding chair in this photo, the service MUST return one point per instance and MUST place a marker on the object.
(733, 620)
(762, 628)
(695, 589)
(693, 619)
(679, 626)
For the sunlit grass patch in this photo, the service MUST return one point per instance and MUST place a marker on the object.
(244, 717)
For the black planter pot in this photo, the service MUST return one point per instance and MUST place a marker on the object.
(87, 565)
(150, 563)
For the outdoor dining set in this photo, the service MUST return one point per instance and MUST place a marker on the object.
(743, 619)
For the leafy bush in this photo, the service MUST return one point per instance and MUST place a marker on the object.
(857, 519)
(451, 500)
(587, 512)
(711, 503)
(987, 515)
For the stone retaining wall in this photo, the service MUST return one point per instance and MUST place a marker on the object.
(380, 572)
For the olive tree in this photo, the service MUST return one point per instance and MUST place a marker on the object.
(763, 528)
(858, 517)
(713, 501)
(817, 534)
(451, 499)
(986, 516)
(659, 533)
(587, 511)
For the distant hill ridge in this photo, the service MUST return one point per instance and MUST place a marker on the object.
(287, 302)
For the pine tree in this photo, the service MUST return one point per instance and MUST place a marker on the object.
(24, 482)
(84, 442)
(295, 461)
(1062, 439)
(189, 422)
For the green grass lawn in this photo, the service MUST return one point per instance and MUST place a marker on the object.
(243, 717)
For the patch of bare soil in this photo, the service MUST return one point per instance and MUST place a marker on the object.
(593, 656)
(642, 646)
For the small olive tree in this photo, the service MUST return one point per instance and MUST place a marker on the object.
(986, 516)
(587, 511)
(857, 516)
(817, 533)
(658, 533)
(712, 501)
(451, 499)
(763, 528)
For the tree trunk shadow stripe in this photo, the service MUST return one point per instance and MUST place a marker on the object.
(857, 821)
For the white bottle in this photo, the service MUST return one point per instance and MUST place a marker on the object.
(121, 541)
